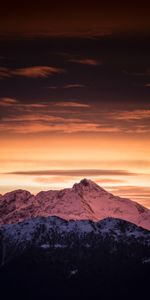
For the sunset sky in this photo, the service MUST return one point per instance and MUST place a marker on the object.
(75, 96)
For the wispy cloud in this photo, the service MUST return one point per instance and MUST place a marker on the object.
(132, 115)
(69, 117)
(71, 104)
(53, 179)
(41, 117)
(132, 191)
(67, 86)
(73, 86)
(107, 180)
(31, 72)
(86, 61)
(62, 179)
(4, 72)
(37, 71)
(135, 190)
(139, 129)
(136, 193)
(6, 101)
(83, 172)
(36, 127)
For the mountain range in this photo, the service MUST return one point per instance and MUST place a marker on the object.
(84, 201)
(81, 242)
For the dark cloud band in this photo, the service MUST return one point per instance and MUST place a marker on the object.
(83, 172)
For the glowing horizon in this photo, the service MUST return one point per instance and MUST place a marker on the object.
(53, 162)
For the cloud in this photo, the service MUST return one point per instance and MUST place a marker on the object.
(71, 104)
(107, 180)
(139, 129)
(69, 117)
(67, 86)
(80, 172)
(37, 71)
(136, 193)
(137, 114)
(31, 72)
(139, 191)
(6, 101)
(55, 179)
(73, 85)
(25, 127)
(86, 61)
(35, 105)
(135, 189)
(4, 72)
(41, 117)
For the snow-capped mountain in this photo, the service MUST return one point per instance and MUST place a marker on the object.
(84, 201)
(56, 233)
(52, 258)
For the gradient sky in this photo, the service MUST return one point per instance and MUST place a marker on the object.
(75, 96)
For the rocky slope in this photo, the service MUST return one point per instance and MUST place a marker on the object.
(84, 201)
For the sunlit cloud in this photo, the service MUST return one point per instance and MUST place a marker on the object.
(139, 129)
(136, 114)
(134, 190)
(71, 104)
(107, 180)
(139, 192)
(86, 61)
(64, 178)
(39, 117)
(54, 116)
(67, 86)
(53, 179)
(37, 127)
(31, 72)
(37, 71)
(6, 101)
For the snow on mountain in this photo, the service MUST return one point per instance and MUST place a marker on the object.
(54, 232)
(84, 201)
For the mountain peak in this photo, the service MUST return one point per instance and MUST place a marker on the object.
(84, 201)
(87, 184)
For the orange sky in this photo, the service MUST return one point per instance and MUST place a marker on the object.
(58, 161)
(74, 96)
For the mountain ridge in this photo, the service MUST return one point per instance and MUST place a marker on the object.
(57, 258)
(85, 200)
(54, 232)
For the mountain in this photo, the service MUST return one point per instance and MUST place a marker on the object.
(52, 258)
(84, 201)
(54, 232)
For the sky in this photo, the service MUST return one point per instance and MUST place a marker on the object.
(75, 96)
